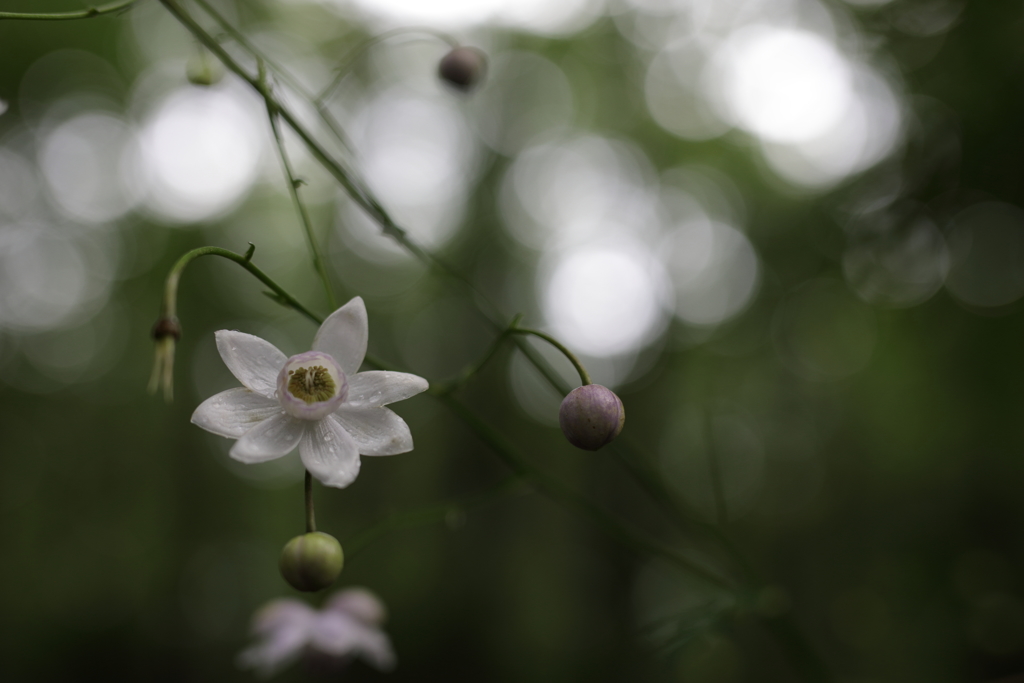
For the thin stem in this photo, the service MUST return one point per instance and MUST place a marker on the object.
(88, 13)
(472, 370)
(429, 515)
(170, 302)
(345, 63)
(584, 376)
(310, 514)
(240, 38)
(717, 488)
(300, 206)
(561, 493)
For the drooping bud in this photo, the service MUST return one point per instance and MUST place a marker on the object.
(312, 561)
(591, 416)
(463, 67)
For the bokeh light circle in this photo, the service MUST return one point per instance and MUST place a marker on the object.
(606, 300)
(201, 151)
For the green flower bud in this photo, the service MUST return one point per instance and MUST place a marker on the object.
(204, 71)
(591, 416)
(312, 561)
(463, 67)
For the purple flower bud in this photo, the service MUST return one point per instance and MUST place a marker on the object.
(463, 67)
(312, 561)
(591, 416)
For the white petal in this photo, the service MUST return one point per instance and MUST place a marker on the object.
(358, 603)
(329, 453)
(285, 627)
(379, 388)
(343, 335)
(376, 431)
(282, 613)
(339, 635)
(254, 361)
(233, 412)
(272, 438)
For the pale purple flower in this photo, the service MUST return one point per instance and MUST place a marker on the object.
(348, 626)
(318, 400)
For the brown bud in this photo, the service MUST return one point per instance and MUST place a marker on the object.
(463, 67)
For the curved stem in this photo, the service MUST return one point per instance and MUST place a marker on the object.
(300, 207)
(170, 302)
(310, 514)
(89, 13)
(584, 376)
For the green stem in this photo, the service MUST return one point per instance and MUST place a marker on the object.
(89, 13)
(344, 64)
(300, 207)
(170, 302)
(471, 371)
(428, 515)
(584, 376)
(310, 513)
(717, 488)
(556, 490)
(239, 37)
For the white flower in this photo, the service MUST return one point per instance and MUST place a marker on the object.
(316, 400)
(348, 626)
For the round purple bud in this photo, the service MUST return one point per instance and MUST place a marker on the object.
(591, 416)
(463, 67)
(311, 561)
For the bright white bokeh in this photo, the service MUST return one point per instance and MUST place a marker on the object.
(605, 300)
(784, 85)
(714, 270)
(90, 167)
(52, 278)
(200, 152)
(419, 156)
(526, 98)
(868, 131)
(578, 190)
(19, 185)
(538, 16)
(674, 93)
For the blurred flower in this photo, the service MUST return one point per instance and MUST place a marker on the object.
(348, 626)
(315, 400)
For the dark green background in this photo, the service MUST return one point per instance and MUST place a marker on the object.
(131, 550)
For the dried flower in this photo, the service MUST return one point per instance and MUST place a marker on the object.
(166, 333)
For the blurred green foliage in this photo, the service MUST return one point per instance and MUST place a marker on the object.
(881, 500)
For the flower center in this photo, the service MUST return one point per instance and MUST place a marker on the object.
(311, 384)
